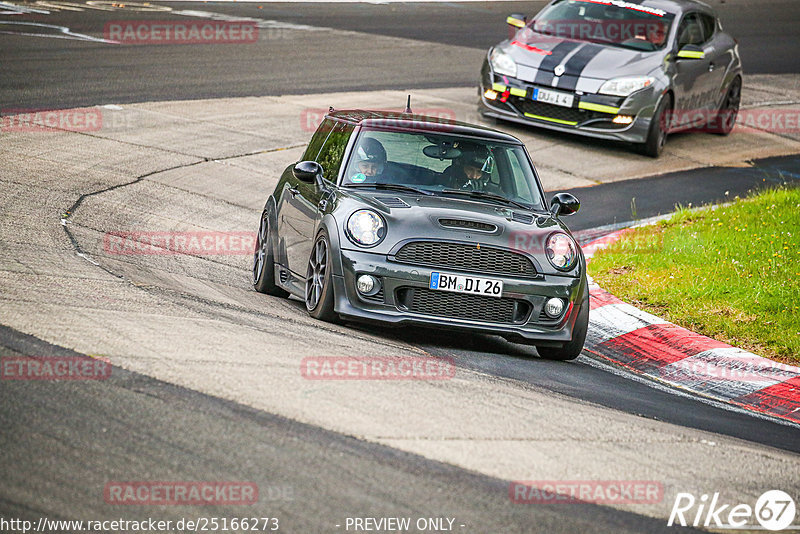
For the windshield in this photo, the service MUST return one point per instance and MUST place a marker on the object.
(444, 165)
(612, 22)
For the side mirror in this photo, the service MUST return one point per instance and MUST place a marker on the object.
(691, 52)
(564, 204)
(308, 171)
(517, 20)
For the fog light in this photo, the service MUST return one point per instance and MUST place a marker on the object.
(490, 94)
(554, 307)
(366, 284)
(622, 119)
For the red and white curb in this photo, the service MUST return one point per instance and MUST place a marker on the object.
(648, 345)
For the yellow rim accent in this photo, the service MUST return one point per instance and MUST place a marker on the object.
(500, 88)
(518, 92)
(559, 121)
(690, 54)
(515, 22)
(598, 107)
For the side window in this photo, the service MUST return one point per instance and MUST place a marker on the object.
(317, 140)
(330, 157)
(690, 31)
(709, 26)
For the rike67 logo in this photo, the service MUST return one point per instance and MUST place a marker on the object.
(774, 510)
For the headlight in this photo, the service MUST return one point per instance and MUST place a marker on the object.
(502, 63)
(365, 228)
(561, 251)
(625, 86)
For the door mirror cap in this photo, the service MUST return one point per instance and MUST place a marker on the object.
(517, 20)
(307, 171)
(691, 52)
(564, 204)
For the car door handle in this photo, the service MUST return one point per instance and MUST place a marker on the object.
(294, 191)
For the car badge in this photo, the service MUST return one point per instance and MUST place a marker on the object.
(559, 70)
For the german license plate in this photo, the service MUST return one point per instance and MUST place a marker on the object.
(472, 285)
(553, 97)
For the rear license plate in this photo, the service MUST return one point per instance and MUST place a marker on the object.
(553, 97)
(472, 285)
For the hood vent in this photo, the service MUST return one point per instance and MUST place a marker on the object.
(524, 218)
(392, 202)
(468, 225)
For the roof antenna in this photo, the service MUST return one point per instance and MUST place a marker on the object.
(408, 105)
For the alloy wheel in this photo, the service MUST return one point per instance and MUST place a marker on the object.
(317, 270)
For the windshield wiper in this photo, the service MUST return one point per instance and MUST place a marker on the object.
(395, 187)
(488, 196)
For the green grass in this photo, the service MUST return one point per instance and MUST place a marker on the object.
(731, 273)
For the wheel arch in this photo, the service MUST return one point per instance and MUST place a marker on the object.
(278, 246)
(331, 227)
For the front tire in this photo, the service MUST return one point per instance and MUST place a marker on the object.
(725, 119)
(657, 134)
(319, 294)
(573, 349)
(264, 262)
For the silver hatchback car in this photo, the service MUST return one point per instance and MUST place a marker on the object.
(624, 70)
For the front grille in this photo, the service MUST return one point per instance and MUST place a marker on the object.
(461, 306)
(551, 111)
(468, 225)
(464, 257)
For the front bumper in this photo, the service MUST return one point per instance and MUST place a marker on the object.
(394, 306)
(590, 115)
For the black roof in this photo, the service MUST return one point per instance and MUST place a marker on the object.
(395, 120)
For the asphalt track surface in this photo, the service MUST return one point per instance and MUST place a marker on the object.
(71, 439)
(61, 444)
(71, 73)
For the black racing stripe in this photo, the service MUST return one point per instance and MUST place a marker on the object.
(574, 67)
(545, 75)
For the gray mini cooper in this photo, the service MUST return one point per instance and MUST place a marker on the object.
(405, 219)
(625, 70)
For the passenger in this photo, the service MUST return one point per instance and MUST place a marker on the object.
(370, 162)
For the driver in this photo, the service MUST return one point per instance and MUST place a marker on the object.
(370, 161)
(471, 170)
(656, 34)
